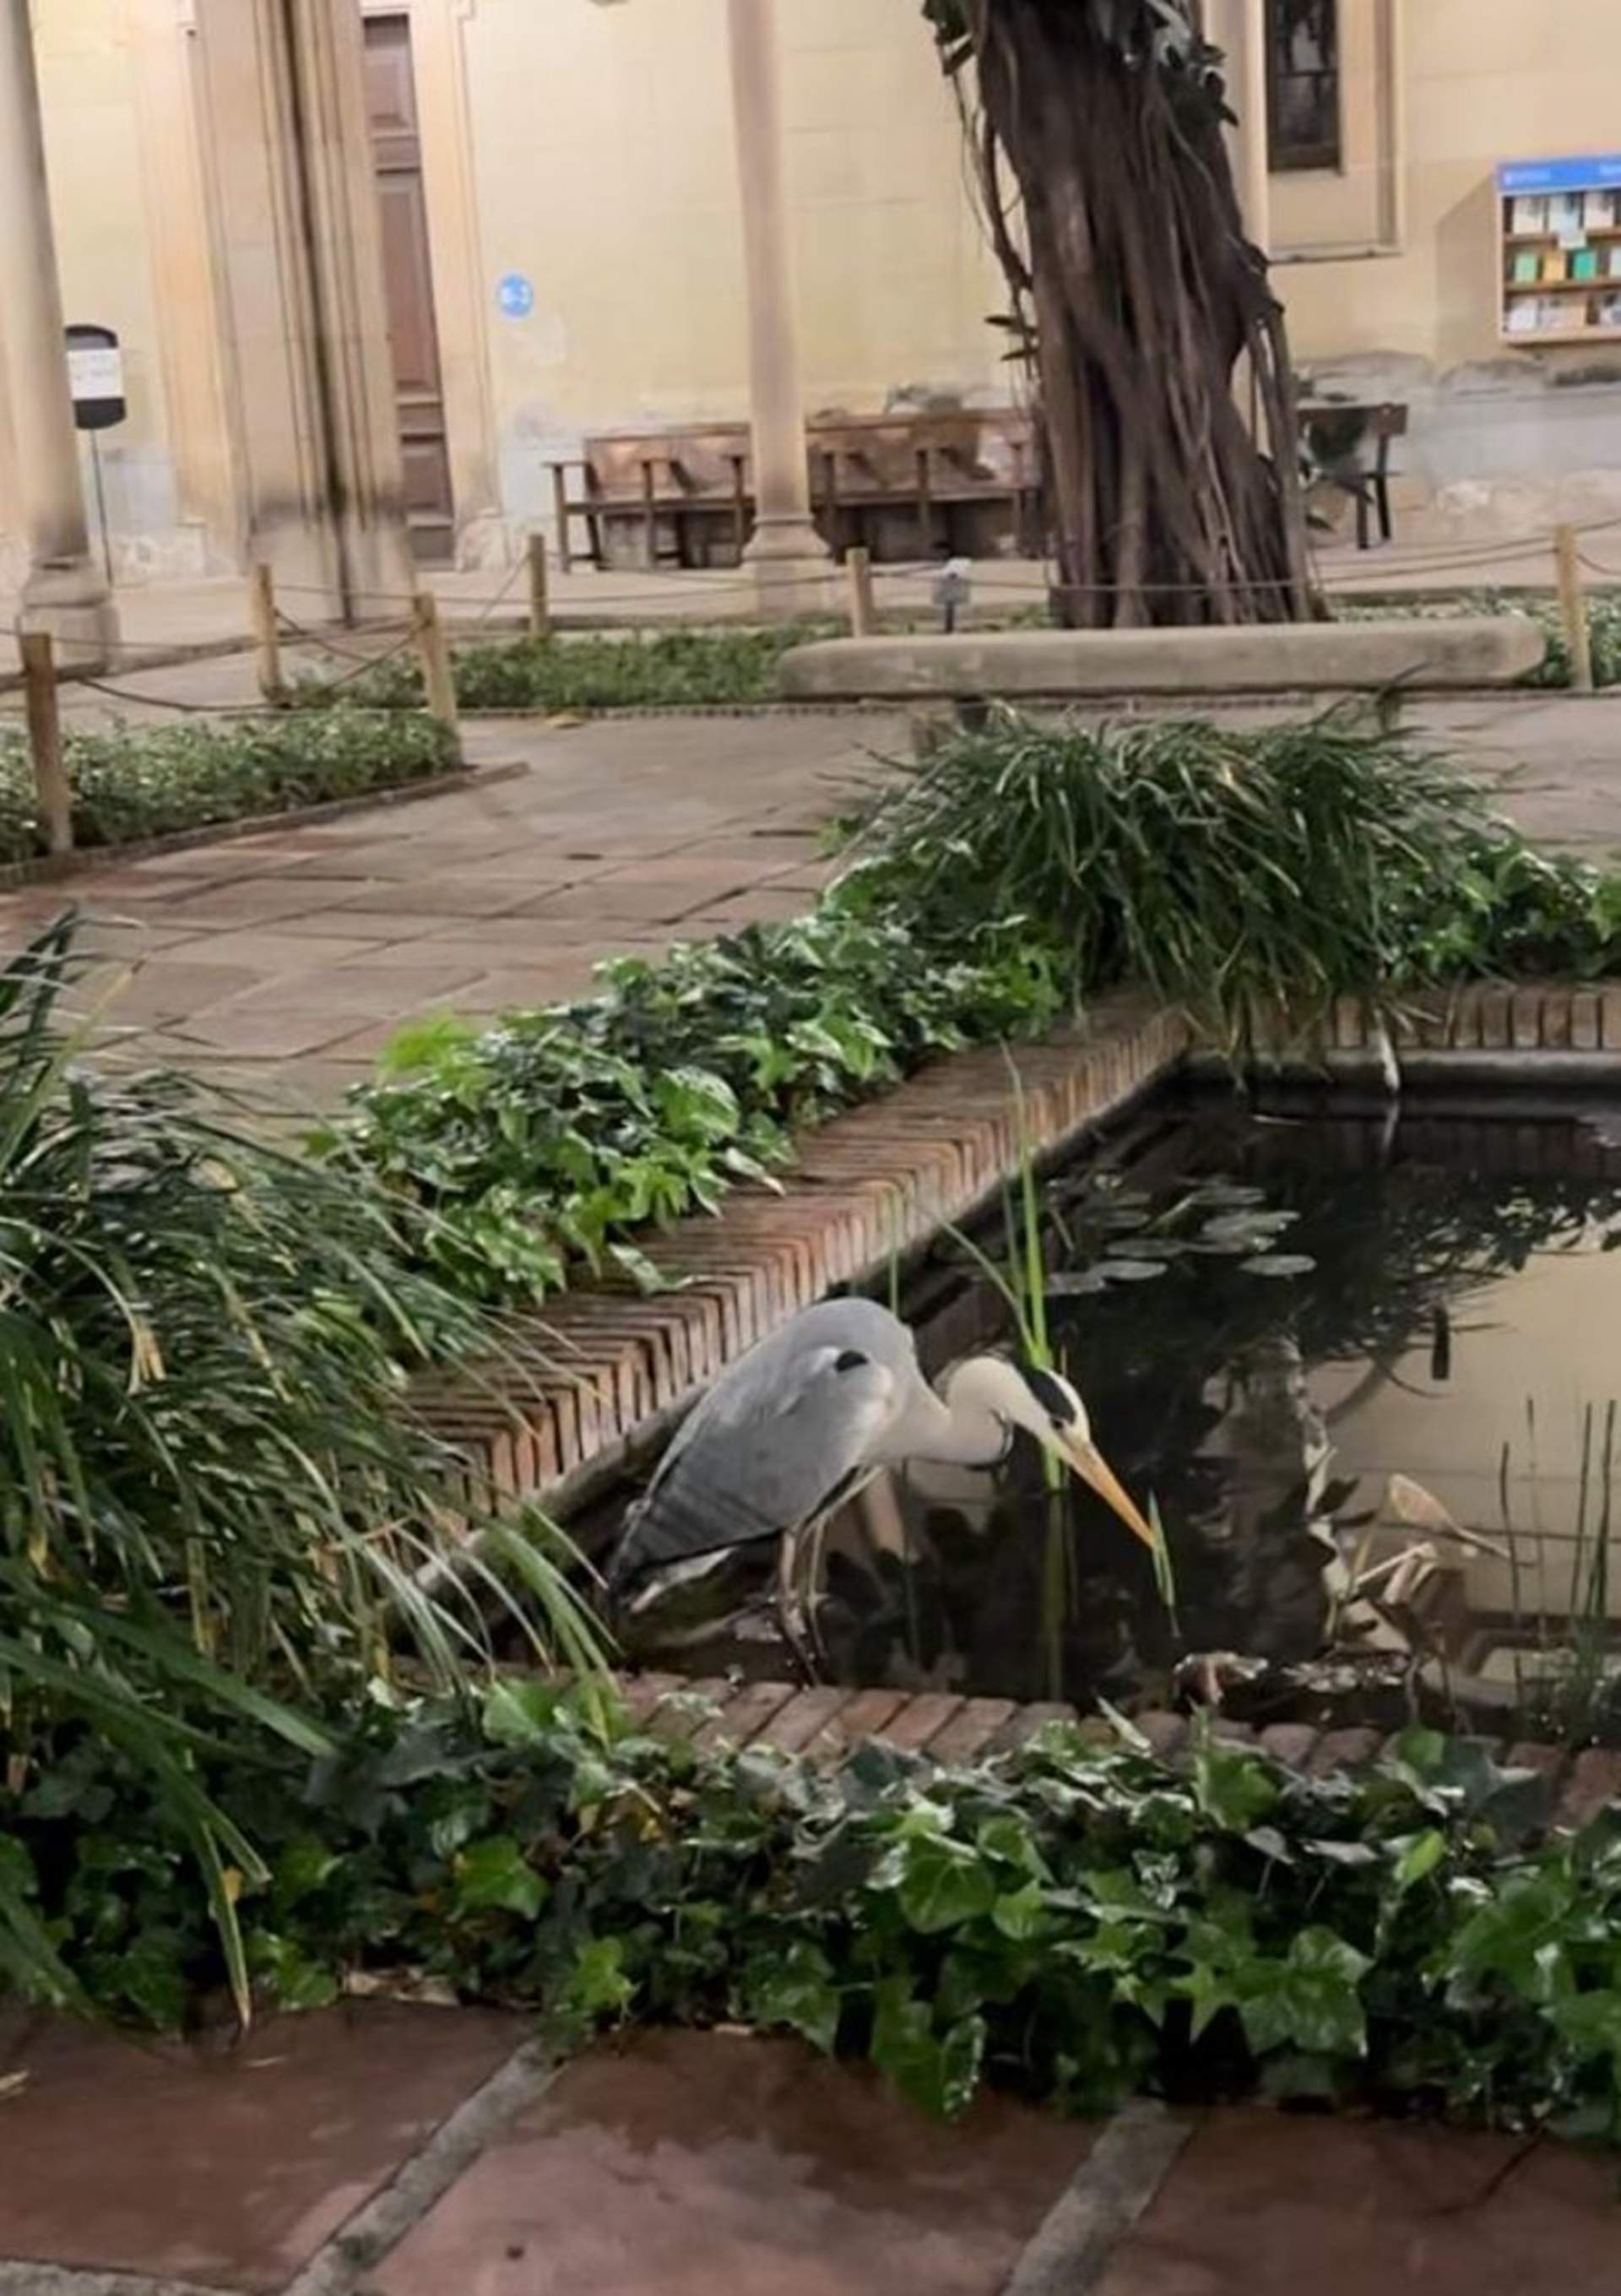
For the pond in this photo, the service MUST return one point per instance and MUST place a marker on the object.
(1368, 1368)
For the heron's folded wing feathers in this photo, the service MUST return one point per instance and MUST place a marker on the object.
(762, 1460)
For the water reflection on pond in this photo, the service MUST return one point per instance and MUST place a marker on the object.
(1370, 1372)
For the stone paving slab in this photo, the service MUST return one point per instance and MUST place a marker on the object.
(225, 2166)
(385, 2149)
(1268, 2204)
(692, 2164)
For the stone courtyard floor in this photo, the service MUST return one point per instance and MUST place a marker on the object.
(389, 2150)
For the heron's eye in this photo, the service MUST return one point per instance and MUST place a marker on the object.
(1050, 1395)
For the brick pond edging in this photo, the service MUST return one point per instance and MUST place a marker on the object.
(876, 1181)
(824, 1722)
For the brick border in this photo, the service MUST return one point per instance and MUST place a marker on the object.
(1503, 1016)
(603, 1372)
(824, 1723)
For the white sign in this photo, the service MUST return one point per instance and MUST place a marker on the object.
(95, 372)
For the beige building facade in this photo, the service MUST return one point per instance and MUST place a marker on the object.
(554, 187)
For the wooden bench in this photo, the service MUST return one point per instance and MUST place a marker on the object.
(680, 488)
(687, 491)
(1339, 434)
(928, 467)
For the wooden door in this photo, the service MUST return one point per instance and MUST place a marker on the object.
(408, 277)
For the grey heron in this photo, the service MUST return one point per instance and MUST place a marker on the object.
(798, 1424)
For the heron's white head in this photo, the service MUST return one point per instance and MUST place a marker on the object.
(1046, 1405)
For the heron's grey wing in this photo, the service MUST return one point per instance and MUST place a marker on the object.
(771, 1445)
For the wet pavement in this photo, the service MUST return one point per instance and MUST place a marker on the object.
(697, 2162)
(391, 2149)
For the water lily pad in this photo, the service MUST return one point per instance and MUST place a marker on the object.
(1279, 1263)
(1227, 1224)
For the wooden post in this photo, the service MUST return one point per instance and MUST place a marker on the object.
(858, 572)
(540, 605)
(267, 636)
(436, 665)
(560, 505)
(1573, 607)
(45, 739)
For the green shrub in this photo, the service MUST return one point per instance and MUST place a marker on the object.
(544, 1143)
(1074, 1921)
(144, 781)
(1230, 872)
(214, 1504)
(670, 669)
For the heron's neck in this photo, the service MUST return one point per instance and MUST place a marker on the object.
(966, 1427)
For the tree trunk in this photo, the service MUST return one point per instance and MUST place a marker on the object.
(1135, 295)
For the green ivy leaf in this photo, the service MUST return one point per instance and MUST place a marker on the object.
(1012, 1841)
(944, 1883)
(435, 1042)
(1519, 1938)
(293, 1980)
(521, 1710)
(492, 1876)
(1209, 1991)
(937, 2072)
(1021, 1914)
(1591, 2022)
(1233, 1788)
(1419, 1858)
(598, 1985)
(1311, 2001)
(796, 1989)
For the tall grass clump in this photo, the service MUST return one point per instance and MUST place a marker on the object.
(215, 1506)
(1233, 873)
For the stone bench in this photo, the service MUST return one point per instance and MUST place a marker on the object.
(1400, 655)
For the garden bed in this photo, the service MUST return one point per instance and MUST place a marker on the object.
(148, 788)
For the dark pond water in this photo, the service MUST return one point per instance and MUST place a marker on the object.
(1368, 1370)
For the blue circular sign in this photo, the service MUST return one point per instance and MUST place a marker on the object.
(516, 295)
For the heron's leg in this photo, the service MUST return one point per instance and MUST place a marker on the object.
(812, 1547)
(790, 1610)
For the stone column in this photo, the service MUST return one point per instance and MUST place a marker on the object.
(1238, 27)
(790, 562)
(304, 315)
(64, 591)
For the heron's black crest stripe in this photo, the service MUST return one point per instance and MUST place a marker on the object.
(1049, 1394)
(849, 1359)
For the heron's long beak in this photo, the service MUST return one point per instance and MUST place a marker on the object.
(1089, 1464)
